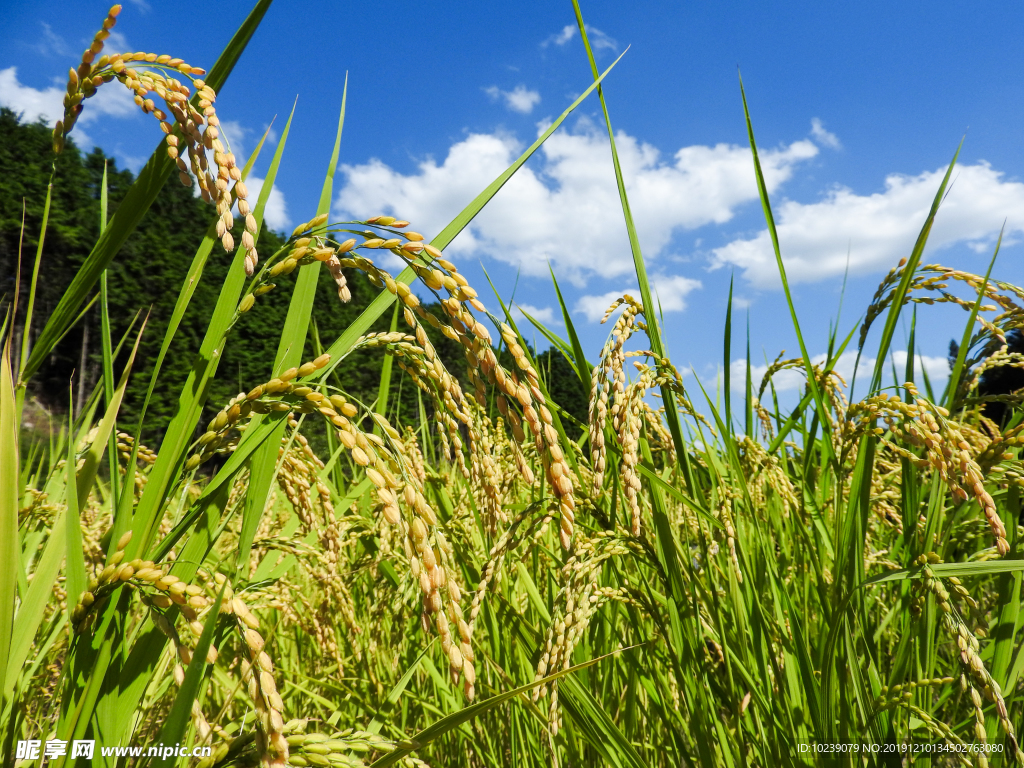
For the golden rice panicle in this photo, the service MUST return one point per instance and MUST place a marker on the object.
(526, 398)
(576, 603)
(934, 279)
(489, 472)
(144, 456)
(950, 454)
(528, 527)
(280, 394)
(143, 575)
(608, 381)
(922, 424)
(144, 74)
(429, 555)
(83, 81)
(975, 674)
(257, 672)
(630, 420)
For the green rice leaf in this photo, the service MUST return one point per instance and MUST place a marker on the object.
(10, 483)
(456, 719)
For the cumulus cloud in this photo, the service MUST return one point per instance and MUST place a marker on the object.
(669, 294)
(234, 135)
(790, 379)
(540, 314)
(878, 230)
(599, 40)
(118, 42)
(563, 207)
(823, 137)
(276, 212)
(31, 103)
(594, 306)
(48, 103)
(935, 367)
(520, 99)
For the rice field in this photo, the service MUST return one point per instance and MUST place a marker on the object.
(311, 579)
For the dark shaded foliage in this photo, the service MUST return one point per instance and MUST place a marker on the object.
(566, 389)
(1001, 380)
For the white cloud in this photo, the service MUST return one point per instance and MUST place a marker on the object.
(117, 43)
(594, 307)
(669, 296)
(234, 133)
(50, 44)
(520, 99)
(540, 314)
(823, 137)
(670, 292)
(29, 102)
(567, 33)
(936, 367)
(790, 379)
(598, 39)
(112, 100)
(276, 212)
(563, 207)
(878, 230)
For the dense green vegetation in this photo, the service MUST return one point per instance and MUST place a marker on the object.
(145, 278)
(397, 552)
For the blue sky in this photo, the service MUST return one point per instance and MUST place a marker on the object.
(857, 108)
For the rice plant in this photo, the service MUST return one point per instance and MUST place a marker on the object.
(834, 584)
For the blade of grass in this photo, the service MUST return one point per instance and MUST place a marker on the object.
(456, 719)
(748, 384)
(904, 285)
(1007, 625)
(395, 694)
(105, 429)
(727, 360)
(965, 341)
(762, 189)
(107, 347)
(583, 368)
(263, 467)
(26, 348)
(653, 333)
(74, 566)
(10, 482)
